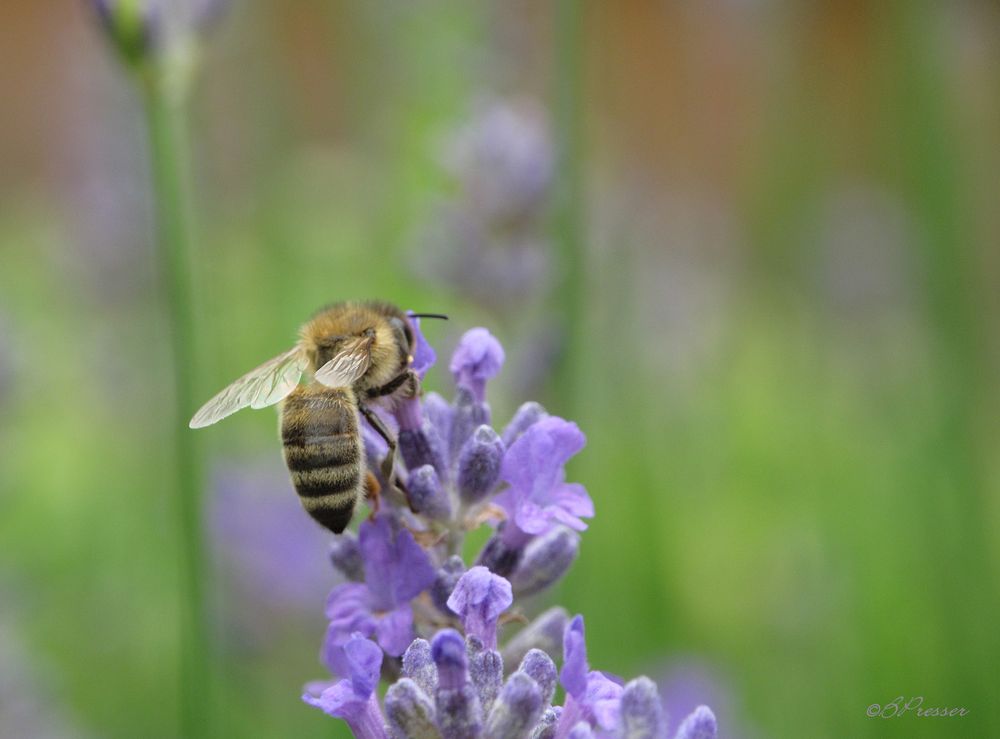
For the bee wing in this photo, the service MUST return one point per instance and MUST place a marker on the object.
(347, 365)
(258, 388)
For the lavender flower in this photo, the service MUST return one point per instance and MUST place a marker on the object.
(414, 612)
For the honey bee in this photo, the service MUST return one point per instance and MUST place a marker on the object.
(356, 353)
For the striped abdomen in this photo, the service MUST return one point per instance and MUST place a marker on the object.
(324, 453)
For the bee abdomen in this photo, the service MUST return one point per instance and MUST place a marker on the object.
(322, 445)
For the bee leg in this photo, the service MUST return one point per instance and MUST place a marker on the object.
(372, 490)
(408, 378)
(387, 465)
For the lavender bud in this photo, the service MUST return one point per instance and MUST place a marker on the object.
(477, 358)
(546, 559)
(422, 446)
(468, 414)
(438, 411)
(498, 556)
(346, 557)
(426, 495)
(486, 671)
(516, 710)
(581, 731)
(419, 667)
(456, 703)
(410, 712)
(525, 416)
(479, 464)
(448, 653)
(546, 728)
(641, 711)
(544, 633)
(700, 724)
(447, 577)
(539, 667)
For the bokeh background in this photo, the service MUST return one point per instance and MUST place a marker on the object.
(750, 246)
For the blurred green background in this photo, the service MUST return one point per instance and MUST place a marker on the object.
(764, 281)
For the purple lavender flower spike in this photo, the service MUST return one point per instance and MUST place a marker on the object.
(539, 667)
(516, 710)
(419, 667)
(477, 358)
(485, 670)
(447, 578)
(479, 464)
(546, 559)
(456, 704)
(479, 598)
(424, 355)
(538, 496)
(641, 711)
(353, 698)
(426, 494)
(544, 633)
(410, 712)
(346, 556)
(700, 724)
(526, 416)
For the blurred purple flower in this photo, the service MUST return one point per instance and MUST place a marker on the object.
(261, 537)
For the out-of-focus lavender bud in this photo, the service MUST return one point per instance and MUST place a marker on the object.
(641, 711)
(544, 633)
(479, 598)
(477, 358)
(133, 26)
(581, 731)
(504, 158)
(479, 464)
(546, 559)
(439, 412)
(486, 671)
(499, 555)
(700, 724)
(456, 703)
(447, 577)
(467, 415)
(426, 494)
(525, 416)
(539, 667)
(546, 728)
(346, 556)
(410, 712)
(516, 710)
(419, 667)
(422, 446)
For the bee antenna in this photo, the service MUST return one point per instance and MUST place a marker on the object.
(442, 316)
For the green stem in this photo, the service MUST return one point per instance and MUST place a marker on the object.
(568, 230)
(169, 156)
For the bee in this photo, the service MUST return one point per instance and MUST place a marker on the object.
(356, 353)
